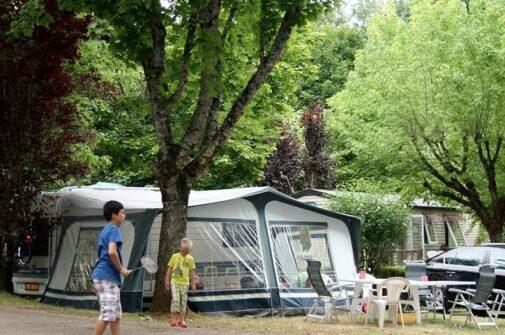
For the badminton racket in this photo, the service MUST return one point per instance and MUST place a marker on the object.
(148, 264)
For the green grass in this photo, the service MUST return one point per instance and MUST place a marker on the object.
(273, 325)
(296, 326)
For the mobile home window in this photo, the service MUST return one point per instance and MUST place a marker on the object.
(456, 237)
(429, 231)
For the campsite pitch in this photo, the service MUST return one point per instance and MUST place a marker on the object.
(20, 316)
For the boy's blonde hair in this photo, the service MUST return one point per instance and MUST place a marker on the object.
(186, 242)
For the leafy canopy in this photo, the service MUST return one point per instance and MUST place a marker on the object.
(423, 109)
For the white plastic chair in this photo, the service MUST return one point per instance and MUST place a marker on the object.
(377, 303)
(361, 295)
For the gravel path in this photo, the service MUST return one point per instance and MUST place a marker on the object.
(20, 321)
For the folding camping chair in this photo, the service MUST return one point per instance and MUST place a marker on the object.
(327, 297)
(476, 299)
(433, 300)
(498, 303)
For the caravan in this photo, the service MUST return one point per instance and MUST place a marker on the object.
(249, 247)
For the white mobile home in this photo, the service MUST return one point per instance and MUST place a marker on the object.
(431, 225)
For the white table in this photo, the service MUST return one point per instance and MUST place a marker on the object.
(414, 289)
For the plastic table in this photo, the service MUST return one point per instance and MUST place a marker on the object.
(415, 285)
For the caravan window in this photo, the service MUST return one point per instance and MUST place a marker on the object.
(227, 254)
(293, 243)
(84, 261)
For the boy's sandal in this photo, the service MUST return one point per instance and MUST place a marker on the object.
(183, 325)
(173, 323)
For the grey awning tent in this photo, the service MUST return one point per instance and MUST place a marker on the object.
(249, 247)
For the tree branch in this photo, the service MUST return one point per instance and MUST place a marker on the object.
(209, 25)
(437, 148)
(229, 21)
(265, 67)
(489, 169)
(442, 156)
(452, 183)
(185, 61)
(464, 158)
(153, 70)
(469, 192)
(262, 27)
(446, 194)
(497, 150)
(212, 121)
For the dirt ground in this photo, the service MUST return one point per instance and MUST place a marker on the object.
(21, 321)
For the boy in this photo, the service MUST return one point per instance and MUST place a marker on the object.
(106, 274)
(181, 269)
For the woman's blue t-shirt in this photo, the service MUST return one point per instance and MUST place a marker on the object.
(104, 268)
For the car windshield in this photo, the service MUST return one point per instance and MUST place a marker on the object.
(498, 258)
(462, 256)
(466, 257)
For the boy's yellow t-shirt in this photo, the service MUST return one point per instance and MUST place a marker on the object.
(180, 268)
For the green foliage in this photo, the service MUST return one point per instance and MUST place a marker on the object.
(364, 10)
(123, 148)
(388, 271)
(241, 160)
(384, 224)
(33, 13)
(429, 88)
(326, 54)
(306, 72)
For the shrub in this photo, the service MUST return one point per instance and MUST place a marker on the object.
(384, 224)
(387, 271)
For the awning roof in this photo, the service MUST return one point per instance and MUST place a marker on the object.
(95, 196)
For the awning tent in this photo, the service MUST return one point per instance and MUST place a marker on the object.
(249, 247)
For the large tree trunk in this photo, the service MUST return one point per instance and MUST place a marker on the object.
(175, 196)
(495, 229)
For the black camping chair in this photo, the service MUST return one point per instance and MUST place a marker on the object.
(433, 300)
(326, 295)
(476, 300)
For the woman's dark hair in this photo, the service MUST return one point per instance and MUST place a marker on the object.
(111, 207)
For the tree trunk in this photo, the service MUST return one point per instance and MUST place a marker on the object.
(495, 229)
(7, 249)
(175, 196)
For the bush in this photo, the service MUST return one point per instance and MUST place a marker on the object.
(387, 271)
(384, 222)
